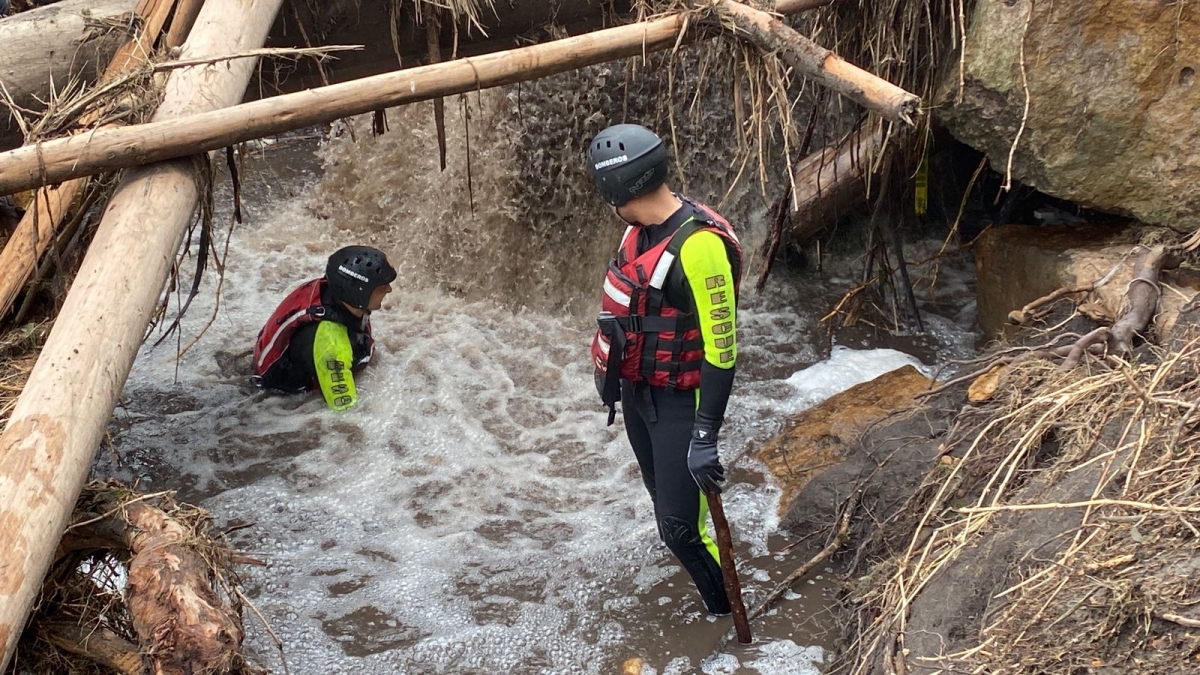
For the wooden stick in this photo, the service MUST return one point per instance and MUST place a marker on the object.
(108, 149)
(47, 448)
(96, 643)
(51, 206)
(839, 539)
(733, 585)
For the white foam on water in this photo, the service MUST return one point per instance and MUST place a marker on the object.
(474, 513)
(844, 369)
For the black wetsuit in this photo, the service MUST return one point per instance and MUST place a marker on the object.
(658, 422)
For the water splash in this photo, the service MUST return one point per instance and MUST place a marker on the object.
(474, 514)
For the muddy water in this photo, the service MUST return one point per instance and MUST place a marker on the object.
(474, 514)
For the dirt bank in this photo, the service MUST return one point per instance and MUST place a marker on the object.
(1046, 526)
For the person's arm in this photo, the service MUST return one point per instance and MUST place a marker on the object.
(333, 357)
(710, 277)
(706, 265)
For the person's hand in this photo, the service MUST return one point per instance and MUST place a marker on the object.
(703, 461)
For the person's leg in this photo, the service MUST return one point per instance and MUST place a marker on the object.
(681, 508)
(286, 376)
(639, 438)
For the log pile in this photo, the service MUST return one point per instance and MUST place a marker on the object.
(50, 440)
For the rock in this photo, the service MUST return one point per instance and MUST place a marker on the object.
(823, 436)
(1017, 264)
(1114, 102)
(984, 387)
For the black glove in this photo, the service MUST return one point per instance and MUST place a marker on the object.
(598, 377)
(703, 461)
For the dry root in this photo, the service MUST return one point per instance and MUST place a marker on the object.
(139, 585)
(1111, 590)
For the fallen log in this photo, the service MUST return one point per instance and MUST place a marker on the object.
(174, 607)
(52, 205)
(825, 185)
(815, 62)
(67, 41)
(109, 149)
(178, 606)
(47, 447)
(829, 183)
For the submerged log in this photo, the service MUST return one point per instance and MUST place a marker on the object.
(67, 41)
(52, 205)
(109, 149)
(60, 418)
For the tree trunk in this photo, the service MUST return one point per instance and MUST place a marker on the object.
(52, 205)
(108, 149)
(71, 39)
(57, 423)
(829, 183)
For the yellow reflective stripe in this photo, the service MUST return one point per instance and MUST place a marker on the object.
(705, 262)
(333, 357)
(703, 526)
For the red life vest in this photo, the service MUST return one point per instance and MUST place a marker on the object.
(300, 308)
(662, 345)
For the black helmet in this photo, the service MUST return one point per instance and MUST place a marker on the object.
(626, 161)
(355, 272)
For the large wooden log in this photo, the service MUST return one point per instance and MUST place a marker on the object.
(829, 183)
(60, 418)
(109, 149)
(52, 205)
(71, 39)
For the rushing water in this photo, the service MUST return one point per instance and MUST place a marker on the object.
(474, 514)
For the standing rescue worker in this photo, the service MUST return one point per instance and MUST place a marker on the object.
(320, 335)
(667, 342)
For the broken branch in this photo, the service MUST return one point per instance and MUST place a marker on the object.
(108, 149)
(820, 64)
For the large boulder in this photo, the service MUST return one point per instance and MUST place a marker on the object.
(1113, 101)
(817, 440)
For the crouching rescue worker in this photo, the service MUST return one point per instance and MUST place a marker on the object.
(667, 344)
(320, 335)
